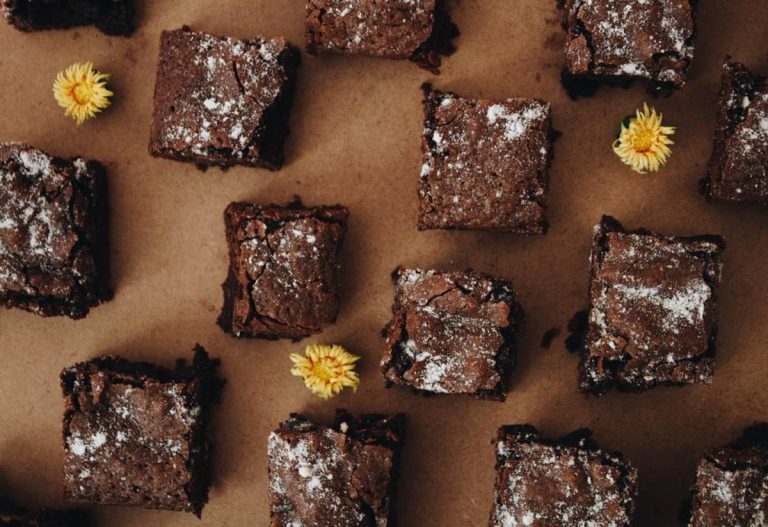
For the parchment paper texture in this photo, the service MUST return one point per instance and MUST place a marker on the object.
(355, 133)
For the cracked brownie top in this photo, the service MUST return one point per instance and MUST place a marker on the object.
(650, 39)
(219, 100)
(53, 232)
(284, 269)
(485, 163)
(452, 332)
(653, 309)
(338, 476)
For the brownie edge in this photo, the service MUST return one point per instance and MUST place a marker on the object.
(112, 17)
(344, 475)
(566, 481)
(138, 434)
(284, 269)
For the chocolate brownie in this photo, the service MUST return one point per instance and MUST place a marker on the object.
(419, 30)
(338, 476)
(653, 309)
(113, 17)
(54, 251)
(137, 434)
(485, 163)
(568, 481)
(617, 41)
(222, 101)
(284, 267)
(451, 332)
(738, 168)
(732, 483)
(12, 516)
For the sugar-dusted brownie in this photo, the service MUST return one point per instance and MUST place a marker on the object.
(222, 101)
(653, 311)
(617, 41)
(738, 168)
(13, 516)
(338, 476)
(732, 483)
(452, 333)
(138, 434)
(568, 481)
(113, 17)
(284, 269)
(419, 30)
(485, 163)
(54, 250)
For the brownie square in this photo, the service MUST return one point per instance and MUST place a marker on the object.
(567, 481)
(222, 101)
(113, 17)
(284, 267)
(617, 41)
(738, 168)
(419, 30)
(653, 309)
(731, 483)
(338, 476)
(137, 434)
(54, 250)
(485, 163)
(451, 332)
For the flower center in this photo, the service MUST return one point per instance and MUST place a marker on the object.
(643, 140)
(82, 93)
(324, 370)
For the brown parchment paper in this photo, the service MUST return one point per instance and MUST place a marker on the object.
(355, 138)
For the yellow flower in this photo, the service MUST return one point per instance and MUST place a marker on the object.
(643, 143)
(82, 91)
(326, 369)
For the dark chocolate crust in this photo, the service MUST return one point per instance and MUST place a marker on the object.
(284, 269)
(486, 163)
(653, 314)
(137, 434)
(222, 101)
(418, 30)
(339, 476)
(451, 333)
(113, 17)
(731, 481)
(615, 42)
(54, 232)
(738, 168)
(566, 481)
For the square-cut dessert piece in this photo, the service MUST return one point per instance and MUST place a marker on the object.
(137, 434)
(54, 234)
(284, 269)
(738, 168)
(338, 476)
(451, 333)
(568, 481)
(222, 101)
(113, 17)
(419, 30)
(653, 309)
(485, 163)
(617, 41)
(731, 483)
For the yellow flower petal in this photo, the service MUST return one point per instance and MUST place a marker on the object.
(82, 91)
(326, 369)
(642, 144)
